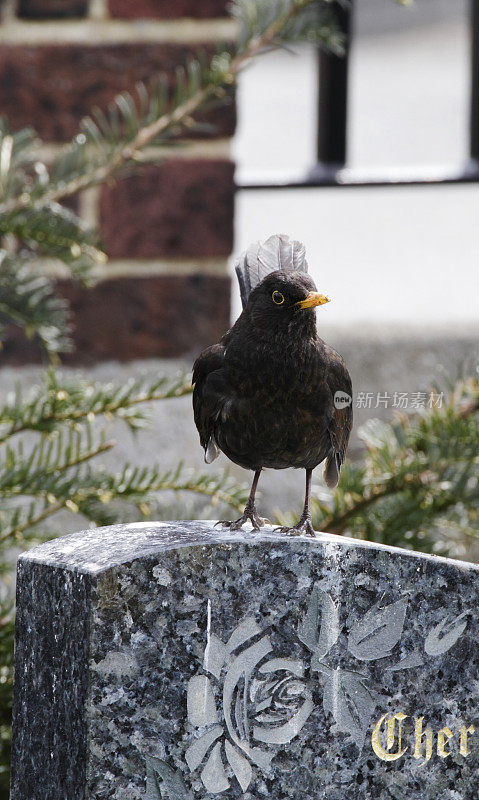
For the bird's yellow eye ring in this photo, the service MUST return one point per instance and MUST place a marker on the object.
(277, 298)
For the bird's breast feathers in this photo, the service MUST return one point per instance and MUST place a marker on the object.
(291, 367)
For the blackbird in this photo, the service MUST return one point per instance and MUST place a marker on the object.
(271, 393)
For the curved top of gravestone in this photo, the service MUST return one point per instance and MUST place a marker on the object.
(98, 549)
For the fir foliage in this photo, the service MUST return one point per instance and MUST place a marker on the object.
(56, 467)
(53, 402)
(291, 20)
(114, 139)
(27, 300)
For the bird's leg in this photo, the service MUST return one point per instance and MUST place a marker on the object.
(305, 524)
(250, 512)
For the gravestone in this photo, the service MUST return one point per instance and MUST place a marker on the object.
(180, 661)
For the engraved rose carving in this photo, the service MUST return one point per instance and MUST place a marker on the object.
(282, 702)
(263, 701)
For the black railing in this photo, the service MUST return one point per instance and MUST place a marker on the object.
(331, 168)
(333, 98)
(474, 113)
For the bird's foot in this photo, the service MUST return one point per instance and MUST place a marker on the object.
(303, 528)
(250, 515)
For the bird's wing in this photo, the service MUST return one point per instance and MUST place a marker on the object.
(279, 252)
(208, 396)
(340, 424)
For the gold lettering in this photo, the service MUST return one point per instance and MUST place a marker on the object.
(443, 737)
(463, 748)
(418, 735)
(381, 753)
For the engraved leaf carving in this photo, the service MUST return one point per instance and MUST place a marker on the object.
(239, 765)
(321, 614)
(438, 642)
(378, 631)
(198, 749)
(200, 701)
(350, 702)
(215, 655)
(409, 661)
(172, 784)
(213, 775)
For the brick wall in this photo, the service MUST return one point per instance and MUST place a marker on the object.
(168, 230)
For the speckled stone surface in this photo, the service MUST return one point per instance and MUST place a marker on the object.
(176, 660)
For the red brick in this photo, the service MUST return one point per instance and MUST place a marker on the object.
(181, 208)
(167, 9)
(128, 318)
(53, 9)
(53, 86)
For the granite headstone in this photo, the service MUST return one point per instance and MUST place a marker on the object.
(179, 661)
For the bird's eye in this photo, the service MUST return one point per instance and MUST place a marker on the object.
(277, 298)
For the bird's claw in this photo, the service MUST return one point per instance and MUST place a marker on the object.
(250, 515)
(303, 528)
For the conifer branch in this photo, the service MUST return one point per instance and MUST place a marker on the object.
(13, 531)
(109, 142)
(93, 493)
(56, 471)
(26, 299)
(59, 401)
(43, 472)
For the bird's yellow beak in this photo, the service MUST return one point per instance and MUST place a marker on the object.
(313, 299)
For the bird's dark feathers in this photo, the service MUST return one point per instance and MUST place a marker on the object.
(264, 394)
(207, 403)
(342, 419)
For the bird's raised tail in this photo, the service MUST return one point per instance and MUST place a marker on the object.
(331, 470)
(279, 252)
